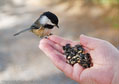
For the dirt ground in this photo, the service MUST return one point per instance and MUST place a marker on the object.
(20, 57)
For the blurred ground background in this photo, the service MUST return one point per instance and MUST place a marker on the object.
(20, 57)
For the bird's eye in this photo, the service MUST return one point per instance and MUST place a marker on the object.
(48, 26)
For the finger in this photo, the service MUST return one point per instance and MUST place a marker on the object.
(60, 40)
(89, 42)
(77, 69)
(57, 58)
(86, 50)
(55, 45)
(45, 43)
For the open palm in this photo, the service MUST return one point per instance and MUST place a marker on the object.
(103, 59)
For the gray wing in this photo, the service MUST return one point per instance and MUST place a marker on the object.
(35, 25)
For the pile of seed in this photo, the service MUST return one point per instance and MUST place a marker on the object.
(77, 54)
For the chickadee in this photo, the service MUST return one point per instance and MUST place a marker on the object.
(43, 25)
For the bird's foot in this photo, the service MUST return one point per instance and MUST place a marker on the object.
(46, 37)
(50, 34)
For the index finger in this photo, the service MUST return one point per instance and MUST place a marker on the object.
(59, 40)
(57, 58)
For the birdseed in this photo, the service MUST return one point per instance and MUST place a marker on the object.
(77, 54)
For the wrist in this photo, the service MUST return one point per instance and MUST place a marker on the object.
(115, 79)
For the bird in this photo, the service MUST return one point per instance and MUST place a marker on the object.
(43, 26)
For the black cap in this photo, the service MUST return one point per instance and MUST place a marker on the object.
(52, 17)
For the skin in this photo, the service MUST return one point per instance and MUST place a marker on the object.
(104, 56)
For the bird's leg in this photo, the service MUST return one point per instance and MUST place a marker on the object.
(41, 38)
(46, 37)
(50, 34)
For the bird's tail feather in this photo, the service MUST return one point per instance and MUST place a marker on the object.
(22, 31)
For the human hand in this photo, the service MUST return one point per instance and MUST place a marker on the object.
(104, 57)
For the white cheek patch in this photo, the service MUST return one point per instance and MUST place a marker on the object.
(43, 20)
(49, 22)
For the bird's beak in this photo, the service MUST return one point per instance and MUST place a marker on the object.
(57, 26)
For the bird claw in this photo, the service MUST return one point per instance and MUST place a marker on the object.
(46, 37)
(50, 34)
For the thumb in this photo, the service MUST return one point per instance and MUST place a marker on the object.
(90, 42)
